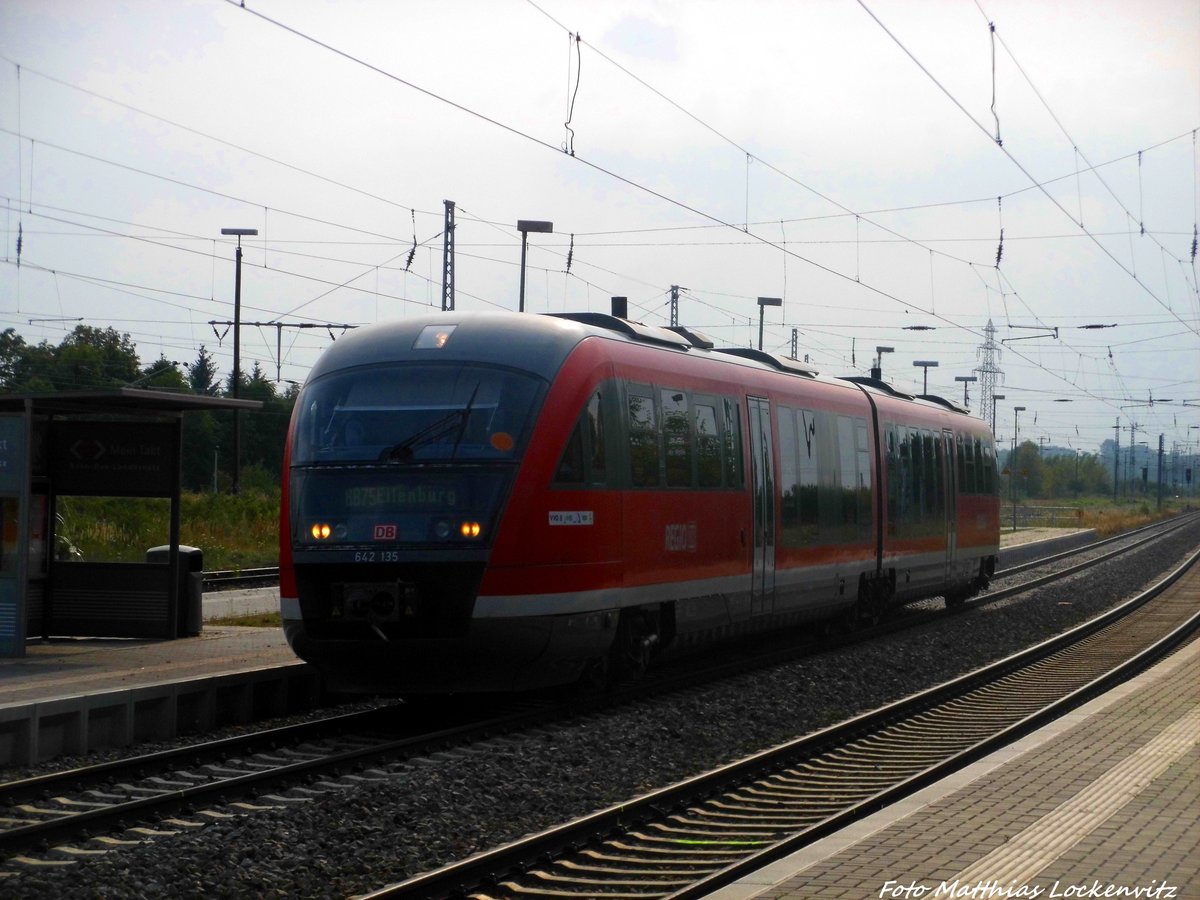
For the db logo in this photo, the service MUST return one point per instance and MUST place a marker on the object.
(385, 532)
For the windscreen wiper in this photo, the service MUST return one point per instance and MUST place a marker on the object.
(403, 451)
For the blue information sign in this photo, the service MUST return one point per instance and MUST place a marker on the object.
(14, 500)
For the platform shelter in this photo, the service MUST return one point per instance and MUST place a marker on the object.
(122, 442)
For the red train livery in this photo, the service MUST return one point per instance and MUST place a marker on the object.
(505, 501)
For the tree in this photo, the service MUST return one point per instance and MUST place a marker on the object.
(1026, 466)
(202, 374)
(12, 354)
(90, 358)
(163, 374)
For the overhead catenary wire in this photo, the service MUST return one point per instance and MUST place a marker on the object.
(792, 244)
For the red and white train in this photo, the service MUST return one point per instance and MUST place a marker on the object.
(505, 501)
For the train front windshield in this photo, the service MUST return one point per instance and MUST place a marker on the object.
(407, 453)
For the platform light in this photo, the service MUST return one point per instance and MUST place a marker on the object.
(525, 226)
(926, 364)
(239, 233)
(763, 303)
(877, 369)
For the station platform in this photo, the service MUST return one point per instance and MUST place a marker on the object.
(72, 695)
(1104, 802)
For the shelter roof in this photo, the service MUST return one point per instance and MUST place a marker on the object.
(133, 401)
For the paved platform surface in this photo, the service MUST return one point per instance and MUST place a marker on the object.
(71, 666)
(1104, 802)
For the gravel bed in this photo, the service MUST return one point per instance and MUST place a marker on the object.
(435, 811)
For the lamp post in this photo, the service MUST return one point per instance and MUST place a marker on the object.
(877, 369)
(237, 353)
(525, 226)
(995, 397)
(966, 379)
(1012, 465)
(763, 303)
(926, 364)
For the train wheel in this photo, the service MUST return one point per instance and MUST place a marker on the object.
(872, 602)
(956, 598)
(633, 645)
(596, 676)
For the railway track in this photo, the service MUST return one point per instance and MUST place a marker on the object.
(200, 781)
(178, 789)
(687, 840)
(230, 579)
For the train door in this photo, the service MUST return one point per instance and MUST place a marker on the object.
(949, 478)
(762, 598)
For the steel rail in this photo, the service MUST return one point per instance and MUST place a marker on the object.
(71, 822)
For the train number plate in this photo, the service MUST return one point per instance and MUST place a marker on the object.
(571, 517)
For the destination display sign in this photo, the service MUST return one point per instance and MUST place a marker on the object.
(119, 459)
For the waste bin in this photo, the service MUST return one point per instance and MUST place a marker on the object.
(191, 585)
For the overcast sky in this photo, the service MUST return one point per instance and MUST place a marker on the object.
(840, 155)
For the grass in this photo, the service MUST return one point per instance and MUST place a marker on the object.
(254, 620)
(1106, 517)
(234, 532)
(1112, 520)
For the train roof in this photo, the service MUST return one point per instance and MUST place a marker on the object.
(541, 344)
(538, 344)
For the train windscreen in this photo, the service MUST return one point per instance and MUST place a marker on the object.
(399, 414)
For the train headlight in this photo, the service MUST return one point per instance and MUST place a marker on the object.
(320, 531)
(442, 530)
(469, 529)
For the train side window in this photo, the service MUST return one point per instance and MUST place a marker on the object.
(643, 439)
(939, 477)
(847, 477)
(961, 461)
(893, 478)
(789, 481)
(570, 467)
(598, 457)
(708, 446)
(733, 444)
(989, 467)
(917, 474)
(930, 488)
(810, 476)
(677, 438)
(971, 482)
(829, 499)
(977, 455)
(583, 459)
(863, 486)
